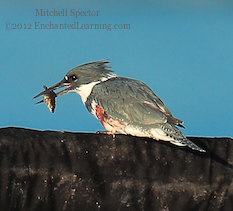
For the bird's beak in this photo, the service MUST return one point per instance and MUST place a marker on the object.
(58, 85)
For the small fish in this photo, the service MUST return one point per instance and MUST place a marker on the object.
(49, 100)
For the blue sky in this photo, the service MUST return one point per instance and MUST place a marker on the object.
(183, 50)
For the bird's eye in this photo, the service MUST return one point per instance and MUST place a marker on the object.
(74, 77)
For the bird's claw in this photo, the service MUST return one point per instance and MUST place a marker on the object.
(105, 132)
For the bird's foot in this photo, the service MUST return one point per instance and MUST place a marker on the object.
(106, 132)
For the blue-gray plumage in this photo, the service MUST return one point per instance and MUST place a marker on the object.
(121, 104)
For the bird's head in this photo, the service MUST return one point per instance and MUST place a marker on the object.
(94, 72)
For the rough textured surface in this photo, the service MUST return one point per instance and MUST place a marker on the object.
(48, 170)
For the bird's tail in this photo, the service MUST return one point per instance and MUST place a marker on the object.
(171, 133)
(188, 143)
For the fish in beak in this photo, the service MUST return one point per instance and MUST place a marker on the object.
(49, 100)
(50, 95)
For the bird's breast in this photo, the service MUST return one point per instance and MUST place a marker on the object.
(84, 91)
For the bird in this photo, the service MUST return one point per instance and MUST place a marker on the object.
(122, 105)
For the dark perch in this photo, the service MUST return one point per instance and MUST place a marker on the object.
(49, 170)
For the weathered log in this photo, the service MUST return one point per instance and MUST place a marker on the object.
(52, 170)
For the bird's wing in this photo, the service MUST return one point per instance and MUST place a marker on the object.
(132, 101)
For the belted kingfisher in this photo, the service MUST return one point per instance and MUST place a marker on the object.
(121, 104)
